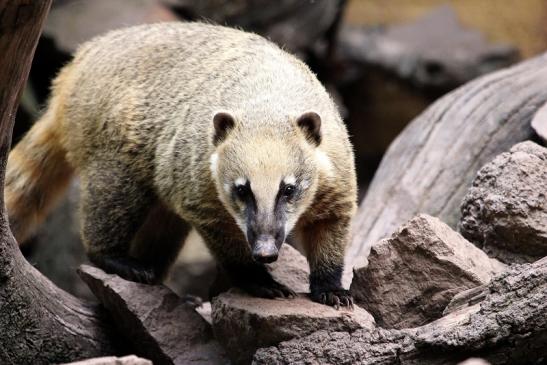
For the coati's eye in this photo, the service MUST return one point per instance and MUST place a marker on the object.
(242, 191)
(289, 191)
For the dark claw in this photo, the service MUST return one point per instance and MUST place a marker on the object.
(336, 298)
(323, 298)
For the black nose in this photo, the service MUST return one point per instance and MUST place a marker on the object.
(265, 250)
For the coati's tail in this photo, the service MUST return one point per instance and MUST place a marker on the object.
(37, 174)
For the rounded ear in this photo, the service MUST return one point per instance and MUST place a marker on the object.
(310, 124)
(223, 123)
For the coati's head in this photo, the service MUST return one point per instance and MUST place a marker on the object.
(266, 175)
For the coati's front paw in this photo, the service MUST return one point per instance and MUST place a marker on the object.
(268, 290)
(333, 297)
(127, 268)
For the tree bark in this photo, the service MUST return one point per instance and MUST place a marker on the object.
(39, 323)
(430, 165)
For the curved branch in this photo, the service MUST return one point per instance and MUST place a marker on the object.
(430, 165)
(39, 323)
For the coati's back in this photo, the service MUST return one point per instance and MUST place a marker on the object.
(128, 93)
(152, 81)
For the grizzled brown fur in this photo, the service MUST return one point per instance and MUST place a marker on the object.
(172, 126)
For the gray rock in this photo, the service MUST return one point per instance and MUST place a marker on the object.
(243, 323)
(112, 360)
(159, 325)
(508, 327)
(505, 210)
(291, 269)
(413, 275)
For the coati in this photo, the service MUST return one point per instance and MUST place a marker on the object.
(178, 125)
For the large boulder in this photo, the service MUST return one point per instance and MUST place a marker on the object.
(159, 325)
(413, 275)
(505, 210)
(243, 323)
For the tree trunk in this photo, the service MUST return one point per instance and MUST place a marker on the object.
(430, 165)
(39, 323)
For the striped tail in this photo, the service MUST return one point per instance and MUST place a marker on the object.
(36, 176)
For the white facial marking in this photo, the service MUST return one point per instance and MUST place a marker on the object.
(323, 161)
(289, 180)
(227, 188)
(289, 225)
(213, 164)
(240, 181)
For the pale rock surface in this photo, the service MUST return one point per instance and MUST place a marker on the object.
(413, 275)
(291, 269)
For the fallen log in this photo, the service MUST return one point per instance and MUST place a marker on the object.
(39, 323)
(508, 326)
(430, 165)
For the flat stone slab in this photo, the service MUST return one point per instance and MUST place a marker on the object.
(243, 323)
(159, 324)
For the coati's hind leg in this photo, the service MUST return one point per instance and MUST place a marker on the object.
(113, 207)
(237, 268)
(160, 239)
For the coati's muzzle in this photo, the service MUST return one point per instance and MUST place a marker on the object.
(265, 249)
(265, 237)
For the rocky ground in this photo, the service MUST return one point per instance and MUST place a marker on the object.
(427, 296)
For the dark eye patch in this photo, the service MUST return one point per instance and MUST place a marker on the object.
(242, 191)
(244, 194)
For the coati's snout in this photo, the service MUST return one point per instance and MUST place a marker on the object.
(265, 234)
(264, 220)
(265, 249)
